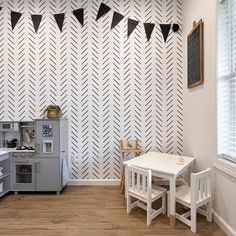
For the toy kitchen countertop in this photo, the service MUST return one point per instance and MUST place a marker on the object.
(2, 154)
(10, 150)
(3, 151)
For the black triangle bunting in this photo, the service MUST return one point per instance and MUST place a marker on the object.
(103, 10)
(15, 17)
(36, 21)
(79, 14)
(131, 26)
(148, 29)
(117, 17)
(165, 29)
(59, 18)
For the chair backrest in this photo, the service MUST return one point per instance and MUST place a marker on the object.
(201, 185)
(139, 180)
(129, 144)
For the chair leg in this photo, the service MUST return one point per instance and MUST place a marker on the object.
(122, 182)
(209, 211)
(128, 204)
(163, 199)
(149, 213)
(168, 204)
(193, 219)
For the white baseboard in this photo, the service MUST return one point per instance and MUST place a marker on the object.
(223, 225)
(113, 182)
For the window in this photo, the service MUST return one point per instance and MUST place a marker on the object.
(227, 79)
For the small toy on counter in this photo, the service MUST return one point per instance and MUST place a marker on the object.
(180, 161)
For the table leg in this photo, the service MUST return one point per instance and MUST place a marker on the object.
(122, 173)
(191, 168)
(126, 181)
(172, 201)
(122, 167)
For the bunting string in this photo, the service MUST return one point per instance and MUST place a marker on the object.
(37, 18)
(102, 11)
(132, 24)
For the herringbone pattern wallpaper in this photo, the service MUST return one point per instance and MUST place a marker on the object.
(110, 87)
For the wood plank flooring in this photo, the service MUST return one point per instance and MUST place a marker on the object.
(85, 211)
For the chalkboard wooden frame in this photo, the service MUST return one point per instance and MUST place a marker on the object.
(195, 55)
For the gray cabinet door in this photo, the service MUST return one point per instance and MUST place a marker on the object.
(47, 135)
(48, 174)
(23, 174)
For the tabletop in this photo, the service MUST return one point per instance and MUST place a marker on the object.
(161, 162)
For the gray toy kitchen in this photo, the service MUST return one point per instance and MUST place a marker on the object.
(33, 155)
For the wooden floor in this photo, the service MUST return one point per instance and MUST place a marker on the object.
(85, 211)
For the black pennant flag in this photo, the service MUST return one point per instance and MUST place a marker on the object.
(131, 26)
(36, 21)
(79, 14)
(175, 28)
(117, 17)
(165, 29)
(103, 9)
(148, 29)
(15, 16)
(59, 18)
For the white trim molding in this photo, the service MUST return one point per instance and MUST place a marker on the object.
(223, 225)
(111, 182)
(226, 166)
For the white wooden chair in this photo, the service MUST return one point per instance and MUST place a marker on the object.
(127, 146)
(140, 187)
(195, 197)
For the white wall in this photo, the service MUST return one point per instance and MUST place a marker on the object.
(224, 201)
(200, 102)
(110, 87)
(200, 136)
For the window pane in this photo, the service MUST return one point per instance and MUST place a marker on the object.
(227, 78)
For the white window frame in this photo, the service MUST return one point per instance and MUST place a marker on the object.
(225, 163)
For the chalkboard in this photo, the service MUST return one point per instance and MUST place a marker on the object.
(195, 55)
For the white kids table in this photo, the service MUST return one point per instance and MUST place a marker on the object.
(163, 165)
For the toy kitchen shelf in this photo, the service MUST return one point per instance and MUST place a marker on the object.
(5, 174)
(14, 134)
